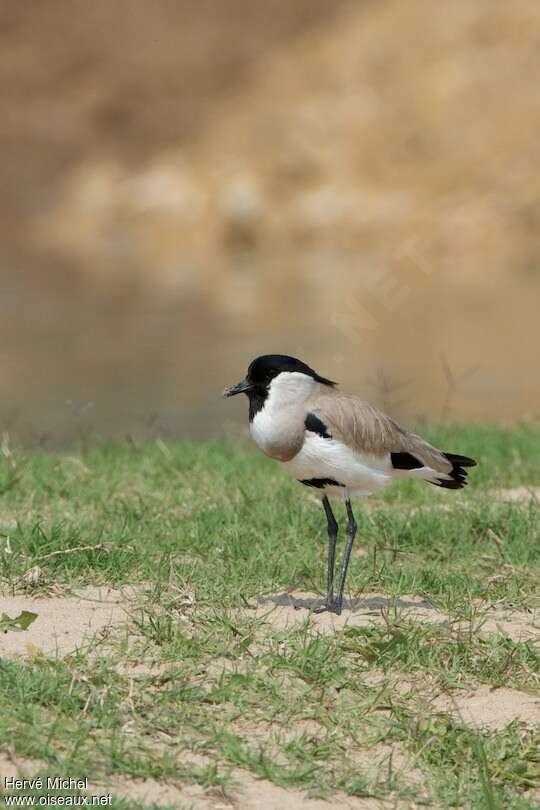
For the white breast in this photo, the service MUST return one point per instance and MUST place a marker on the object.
(265, 429)
(362, 474)
(279, 425)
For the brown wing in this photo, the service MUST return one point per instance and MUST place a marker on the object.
(366, 429)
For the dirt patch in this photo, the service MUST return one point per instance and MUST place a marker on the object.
(486, 706)
(401, 683)
(492, 708)
(518, 626)
(271, 736)
(380, 760)
(522, 495)
(217, 667)
(142, 669)
(255, 794)
(247, 792)
(286, 610)
(12, 766)
(63, 624)
(373, 761)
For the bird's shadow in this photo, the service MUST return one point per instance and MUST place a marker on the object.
(360, 604)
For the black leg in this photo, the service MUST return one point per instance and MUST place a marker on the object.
(351, 534)
(332, 538)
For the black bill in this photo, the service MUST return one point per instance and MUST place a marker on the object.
(239, 388)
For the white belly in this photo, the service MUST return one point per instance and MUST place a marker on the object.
(361, 474)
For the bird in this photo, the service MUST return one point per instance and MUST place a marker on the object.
(337, 444)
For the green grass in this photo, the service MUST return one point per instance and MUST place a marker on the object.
(204, 528)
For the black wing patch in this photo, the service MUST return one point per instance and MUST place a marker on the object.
(320, 483)
(315, 425)
(405, 461)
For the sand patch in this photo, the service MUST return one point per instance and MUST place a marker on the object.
(519, 626)
(382, 759)
(400, 683)
(15, 766)
(521, 494)
(63, 624)
(485, 707)
(271, 736)
(136, 670)
(215, 668)
(286, 610)
(246, 793)
(374, 762)
(492, 708)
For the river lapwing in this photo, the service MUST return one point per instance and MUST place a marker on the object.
(336, 443)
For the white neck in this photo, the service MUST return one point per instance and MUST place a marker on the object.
(289, 388)
(279, 426)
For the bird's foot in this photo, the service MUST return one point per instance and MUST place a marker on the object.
(331, 606)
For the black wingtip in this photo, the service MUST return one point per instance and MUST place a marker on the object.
(460, 461)
(458, 474)
(452, 484)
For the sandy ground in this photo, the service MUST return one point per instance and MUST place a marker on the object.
(248, 793)
(492, 708)
(63, 624)
(518, 494)
(290, 610)
(283, 610)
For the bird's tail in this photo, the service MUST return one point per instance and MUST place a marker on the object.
(458, 474)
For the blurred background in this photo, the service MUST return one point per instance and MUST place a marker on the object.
(188, 184)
